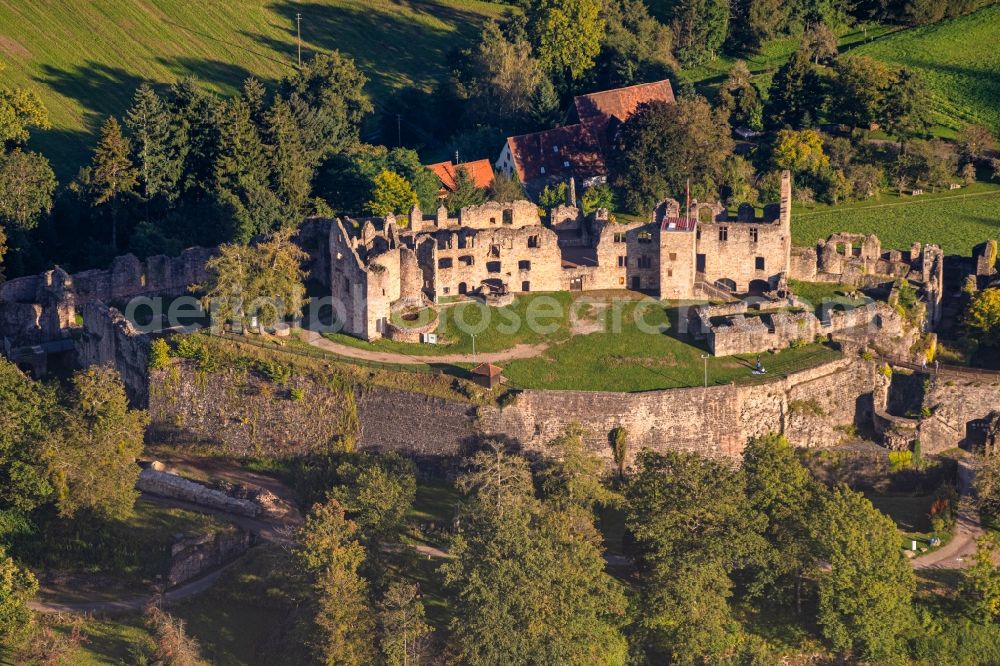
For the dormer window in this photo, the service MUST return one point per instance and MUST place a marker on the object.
(555, 149)
(565, 163)
(542, 170)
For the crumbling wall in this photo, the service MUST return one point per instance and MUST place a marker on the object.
(957, 407)
(108, 338)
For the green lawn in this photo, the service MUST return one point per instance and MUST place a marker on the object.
(958, 60)
(494, 329)
(627, 356)
(956, 220)
(86, 58)
(911, 513)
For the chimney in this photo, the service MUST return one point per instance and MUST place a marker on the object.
(571, 194)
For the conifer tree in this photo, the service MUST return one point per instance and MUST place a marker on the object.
(291, 167)
(155, 144)
(242, 176)
(112, 174)
(330, 556)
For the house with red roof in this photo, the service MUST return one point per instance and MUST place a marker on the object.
(481, 172)
(579, 150)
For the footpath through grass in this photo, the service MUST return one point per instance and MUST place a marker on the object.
(957, 220)
(85, 59)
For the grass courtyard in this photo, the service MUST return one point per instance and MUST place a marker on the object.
(649, 350)
(599, 341)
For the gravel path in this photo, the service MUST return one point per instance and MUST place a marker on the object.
(957, 553)
(515, 352)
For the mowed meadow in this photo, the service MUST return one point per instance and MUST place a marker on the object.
(86, 58)
(956, 220)
(959, 60)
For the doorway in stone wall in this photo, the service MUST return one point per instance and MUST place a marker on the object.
(576, 284)
(636, 283)
(463, 288)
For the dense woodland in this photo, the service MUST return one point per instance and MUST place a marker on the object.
(724, 562)
(183, 167)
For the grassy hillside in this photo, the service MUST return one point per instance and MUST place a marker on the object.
(86, 58)
(956, 220)
(960, 62)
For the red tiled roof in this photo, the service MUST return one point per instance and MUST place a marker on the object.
(556, 153)
(597, 111)
(481, 172)
(680, 224)
(487, 370)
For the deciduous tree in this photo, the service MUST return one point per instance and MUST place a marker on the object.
(982, 317)
(567, 36)
(636, 48)
(530, 588)
(497, 478)
(262, 281)
(866, 588)
(29, 415)
(692, 528)
(94, 465)
(404, 632)
(17, 586)
(979, 589)
(391, 193)
(800, 151)
(663, 145)
(739, 97)
(20, 111)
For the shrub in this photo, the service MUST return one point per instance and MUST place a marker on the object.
(159, 354)
(274, 371)
(296, 394)
(187, 347)
(900, 460)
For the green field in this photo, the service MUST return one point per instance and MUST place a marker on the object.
(86, 58)
(959, 61)
(955, 58)
(956, 220)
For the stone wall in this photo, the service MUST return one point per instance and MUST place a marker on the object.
(959, 404)
(238, 412)
(127, 277)
(241, 414)
(176, 487)
(193, 556)
(108, 338)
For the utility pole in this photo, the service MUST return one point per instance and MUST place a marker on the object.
(705, 358)
(298, 32)
(399, 130)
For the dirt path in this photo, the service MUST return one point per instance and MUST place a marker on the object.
(957, 553)
(515, 352)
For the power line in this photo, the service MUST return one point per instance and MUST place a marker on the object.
(298, 32)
